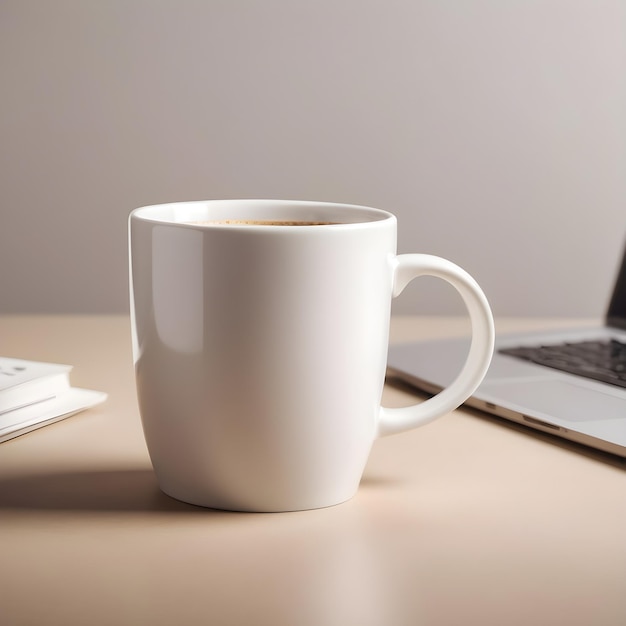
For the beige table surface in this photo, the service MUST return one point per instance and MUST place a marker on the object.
(465, 521)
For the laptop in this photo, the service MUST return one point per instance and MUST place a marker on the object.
(571, 383)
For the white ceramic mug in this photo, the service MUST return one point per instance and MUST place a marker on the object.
(260, 349)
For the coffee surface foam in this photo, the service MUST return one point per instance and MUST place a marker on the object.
(260, 223)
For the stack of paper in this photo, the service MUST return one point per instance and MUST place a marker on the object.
(34, 394)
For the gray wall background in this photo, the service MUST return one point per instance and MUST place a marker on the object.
(494, 129)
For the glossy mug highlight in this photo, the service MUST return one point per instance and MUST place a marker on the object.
(260, 332)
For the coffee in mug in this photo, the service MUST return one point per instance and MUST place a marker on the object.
(259, 223)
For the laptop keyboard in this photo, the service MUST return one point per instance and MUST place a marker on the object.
(599, 360)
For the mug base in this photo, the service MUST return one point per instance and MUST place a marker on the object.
(220, 504)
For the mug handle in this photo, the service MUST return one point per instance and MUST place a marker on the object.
(406, 267)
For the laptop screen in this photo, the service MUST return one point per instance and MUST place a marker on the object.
(616, 315)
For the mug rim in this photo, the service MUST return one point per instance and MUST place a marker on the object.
(191, 214)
